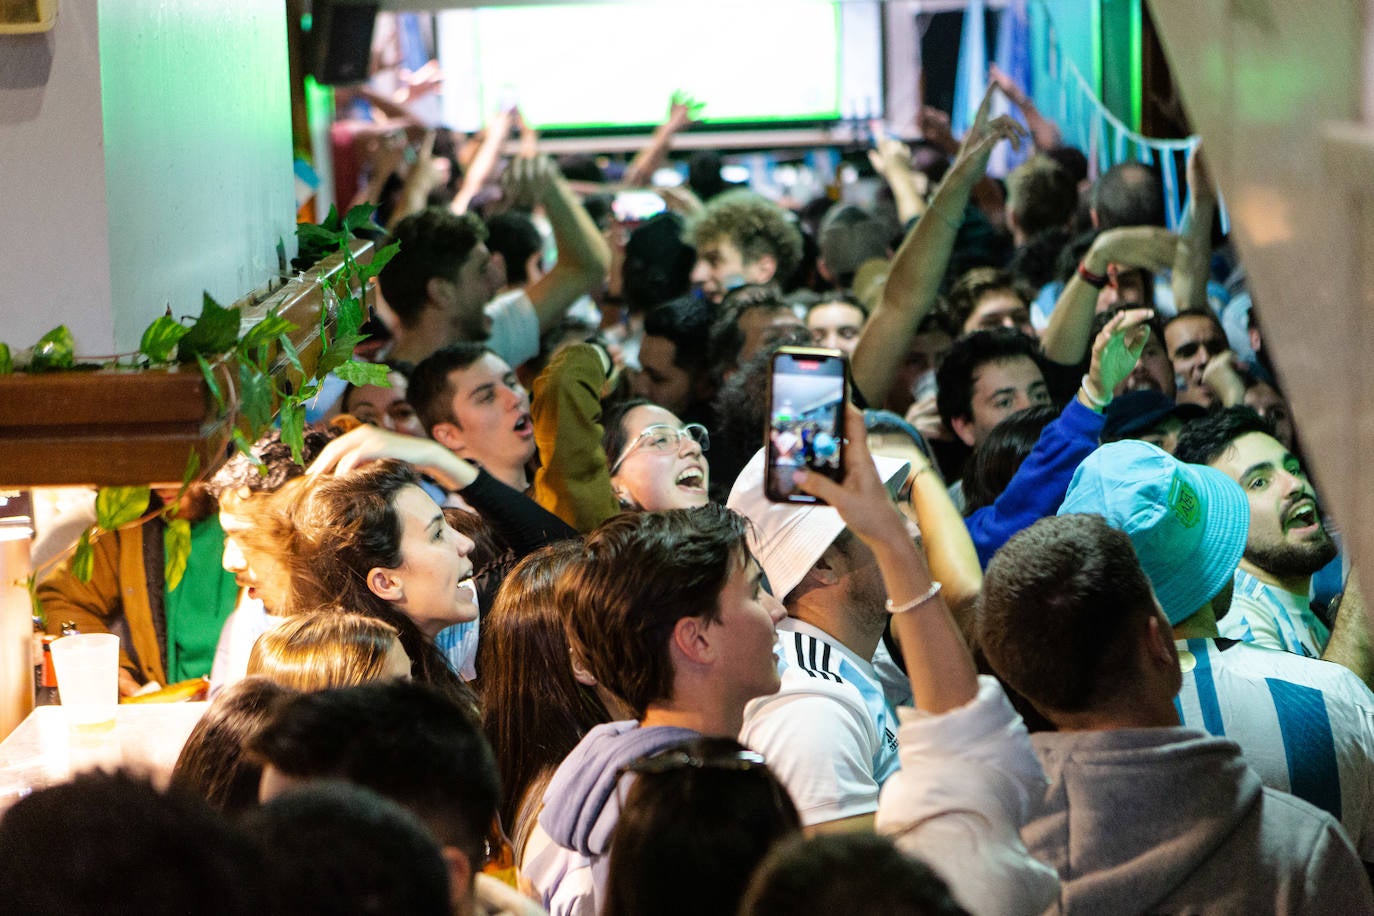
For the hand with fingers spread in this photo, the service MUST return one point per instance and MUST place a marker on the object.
(371, 443)
(1115, 353)
(526, 181)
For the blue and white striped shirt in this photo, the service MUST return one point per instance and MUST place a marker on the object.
(1271, 617)
(1305, 726)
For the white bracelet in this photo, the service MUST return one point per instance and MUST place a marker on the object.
(1099, 403)
(914, 602)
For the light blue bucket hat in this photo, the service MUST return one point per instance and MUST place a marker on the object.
(1187, 522)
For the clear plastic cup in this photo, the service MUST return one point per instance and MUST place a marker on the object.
(88, 679)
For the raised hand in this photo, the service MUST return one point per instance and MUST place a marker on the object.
(1116, 351)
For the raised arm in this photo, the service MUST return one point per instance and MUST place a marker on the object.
(919, 265)
(1044, 132)
(937, 659)
(583, 256)
(1350, 643)
(573, 480)
(949, 548)
(682, 112)
(891, 159)
(1193, 260)
(1069, 334)
(483, 164)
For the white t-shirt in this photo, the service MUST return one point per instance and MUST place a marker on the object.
(514, 327)
(829, 733)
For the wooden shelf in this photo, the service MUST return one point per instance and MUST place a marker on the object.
(120, 427)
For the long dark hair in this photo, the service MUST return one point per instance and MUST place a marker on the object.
(996, 459)
(346, 526)
(212, 763)
(698, 819)
(534, 711)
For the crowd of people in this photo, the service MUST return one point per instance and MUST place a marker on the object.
(1071, 633)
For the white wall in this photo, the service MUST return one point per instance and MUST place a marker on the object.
(145, 156)
(52, 185)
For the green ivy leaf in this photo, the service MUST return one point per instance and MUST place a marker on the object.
(359, 217)
(270, 327)
(39, 614)
(116, 507)
(6, 360)
(340, 351)
(292, 355)
(54, 351)
(379, 260)
(192, 469)
(255, 397)
(332, 221)
(214, 332)
(292, 418)
(360, 373)
(209, 375)
(176, 545)
(161, 338)
(83, 558)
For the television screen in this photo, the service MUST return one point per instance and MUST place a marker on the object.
(615, 65)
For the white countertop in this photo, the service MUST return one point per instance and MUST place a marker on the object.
(42, 750)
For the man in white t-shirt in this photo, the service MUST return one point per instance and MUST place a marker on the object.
(829, 734)
(442, 283)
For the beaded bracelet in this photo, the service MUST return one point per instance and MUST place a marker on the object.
(1096, 281)
(914, 602)
(1099, 403)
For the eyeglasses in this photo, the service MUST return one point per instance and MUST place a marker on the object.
(663, 438)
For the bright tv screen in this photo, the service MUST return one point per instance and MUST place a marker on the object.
(615, 65)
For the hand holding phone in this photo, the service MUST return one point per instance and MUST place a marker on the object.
(808, 391)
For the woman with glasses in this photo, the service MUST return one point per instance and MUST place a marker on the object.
(656, 461)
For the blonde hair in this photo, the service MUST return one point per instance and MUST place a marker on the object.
(324, 648)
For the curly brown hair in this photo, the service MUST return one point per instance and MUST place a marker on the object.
(755, 225)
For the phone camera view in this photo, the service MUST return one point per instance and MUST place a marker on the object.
(806, 416)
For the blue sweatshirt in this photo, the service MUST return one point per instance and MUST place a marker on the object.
(1039, 485)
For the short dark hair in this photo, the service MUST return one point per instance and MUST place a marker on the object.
(1206, 439)
(756, 226)
(431, 390)
(1128, 194)
(514, 236)
(402, 739)
(727, 339)
(1061, 601)
(119, 845)
(697, 820)
(658, 263)
(1199, 311)
(686, 323)
(434, 243)
(974, 284)
(340, 848)
(970, 353)
(212, 763)
(863, 874)
(642, 572)
(1042, 195)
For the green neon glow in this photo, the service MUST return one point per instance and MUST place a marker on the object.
(1097, 47)
(1137, 72)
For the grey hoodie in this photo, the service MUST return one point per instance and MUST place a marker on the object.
(1169, 820)
(566, 857)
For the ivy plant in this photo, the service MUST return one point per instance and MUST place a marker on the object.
(215, 334)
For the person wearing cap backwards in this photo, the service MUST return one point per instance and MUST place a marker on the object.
(830, 734)
(1305, 725)
(1148, 415)
(1142, 815)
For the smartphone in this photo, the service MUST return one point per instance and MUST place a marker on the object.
(807, 393)
(635, 206)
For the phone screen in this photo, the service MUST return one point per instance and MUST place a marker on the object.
(636, 206)
(808, 391)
